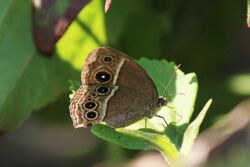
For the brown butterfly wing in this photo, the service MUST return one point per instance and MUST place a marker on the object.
(87, 107)
(97, 62)
(136, 97)
(124, 91)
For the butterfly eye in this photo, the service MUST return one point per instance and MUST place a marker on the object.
(103, 90)
(103, 76)
(89, 105)
(107, 59)
(91, 115)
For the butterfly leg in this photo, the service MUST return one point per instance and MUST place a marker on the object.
(146, 122)
(159, 116)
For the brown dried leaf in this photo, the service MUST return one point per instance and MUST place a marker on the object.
(49, 24)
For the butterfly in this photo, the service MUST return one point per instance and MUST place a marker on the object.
(115, 90)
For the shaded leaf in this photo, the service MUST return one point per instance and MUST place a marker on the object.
(124, 140)
(117, 19)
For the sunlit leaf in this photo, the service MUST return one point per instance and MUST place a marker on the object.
(193, 129)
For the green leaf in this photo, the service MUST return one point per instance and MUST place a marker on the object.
(193, 129)
(109, 134)
(137, 139)
(84, 35)
(158, 141)
(29, 80)
(180, 89)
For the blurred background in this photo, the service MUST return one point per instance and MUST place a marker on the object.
(207, 37)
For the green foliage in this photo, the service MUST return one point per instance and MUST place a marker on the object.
(29, 80)
(26, 76)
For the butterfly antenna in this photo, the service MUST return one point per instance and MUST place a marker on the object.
(168, 83)
(157, 80)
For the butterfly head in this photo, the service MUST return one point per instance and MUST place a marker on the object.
(162, 101)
